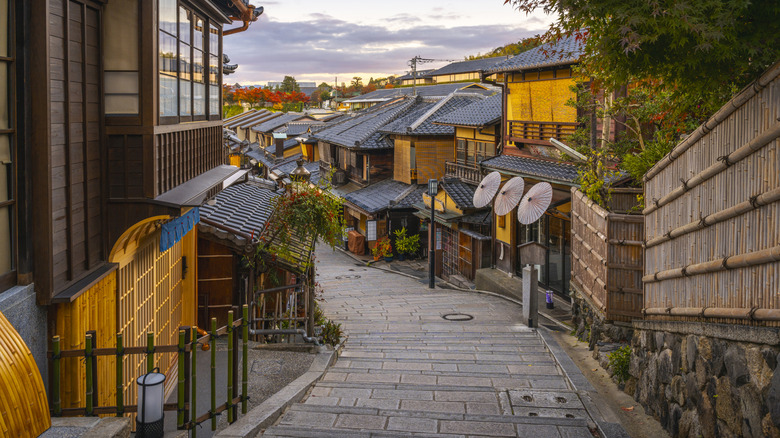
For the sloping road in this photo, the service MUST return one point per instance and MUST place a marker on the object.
(407, 371)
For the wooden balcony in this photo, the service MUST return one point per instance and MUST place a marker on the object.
(538, 132)
(462, 171)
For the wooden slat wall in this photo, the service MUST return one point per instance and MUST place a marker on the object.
(752, 287)
(608, 272)
(95, 309)
(151, 299)
(75, 110)
(185, 154)
(402, 161)
(430, 156)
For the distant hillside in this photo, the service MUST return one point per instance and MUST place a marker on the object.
(509, 49)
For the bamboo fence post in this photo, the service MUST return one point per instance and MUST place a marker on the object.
(120, 351)
(230, 367)
(88, 363)
(95, 379)
(149, 352)
(187, 359)
(55, 391)
(213, 373)
(193, 395)
(180, 384)
(244, 338)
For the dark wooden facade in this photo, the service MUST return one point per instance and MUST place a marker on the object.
(361, 166)
(101, 150)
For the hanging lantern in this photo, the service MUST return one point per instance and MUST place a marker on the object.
(151, 396)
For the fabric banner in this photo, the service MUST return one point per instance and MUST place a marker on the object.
(175, 229)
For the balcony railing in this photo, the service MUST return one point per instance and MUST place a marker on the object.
(462, 171)
(535, 132)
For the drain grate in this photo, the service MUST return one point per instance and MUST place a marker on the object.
(457, 317)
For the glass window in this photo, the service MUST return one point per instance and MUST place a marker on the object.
(198, 99)
(185, 87)
(460, 153)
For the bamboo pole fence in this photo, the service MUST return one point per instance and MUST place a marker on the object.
(186, 350)
(607, 254)
(712, 226)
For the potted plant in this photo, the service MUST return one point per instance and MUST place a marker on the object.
(384, 249)
(406, 245)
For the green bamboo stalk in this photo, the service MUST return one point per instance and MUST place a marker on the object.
(213, 373)
(193, 365)
(88, 355)
(181, 382)
(244, 338)
(55, 391)
(120, 351)
(230, 367)
(149, 352)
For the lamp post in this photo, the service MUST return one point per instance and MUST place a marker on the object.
(433, 188)
(149, 422)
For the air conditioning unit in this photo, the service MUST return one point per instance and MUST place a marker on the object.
(339, 177)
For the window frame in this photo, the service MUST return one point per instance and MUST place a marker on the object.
(206, 52)
(9, 279)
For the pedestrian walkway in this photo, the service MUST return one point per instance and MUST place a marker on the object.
(422, 362)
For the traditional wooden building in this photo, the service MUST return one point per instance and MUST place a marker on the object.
(263, 133)
(463, 71)
(434, 91)
(122, 114)
(537, 86)
(421, 77)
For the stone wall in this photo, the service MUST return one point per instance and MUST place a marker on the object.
(19, 307)
(708, 382)
(590, 326)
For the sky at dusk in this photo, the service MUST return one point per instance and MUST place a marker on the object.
(317, 41)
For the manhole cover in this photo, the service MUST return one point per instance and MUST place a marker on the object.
(457, 317)
(347, 277)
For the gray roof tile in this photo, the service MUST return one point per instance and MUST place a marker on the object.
(422, 109)
(480, 113)
(377, 197)
(468, 66)
(244, 207)
(439, 90)
(276, 122)
(360, 130)
(460, 192)
(566, 51)
(532, 167)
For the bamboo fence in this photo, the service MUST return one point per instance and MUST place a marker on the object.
(712, 216)
(187, 417)
(607, 255)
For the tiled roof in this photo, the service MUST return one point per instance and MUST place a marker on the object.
(483, 217)
(261, 117)
(290, 164)
(276, 122)
(237, 120)
(377, 197)
(288, 144)
(360, 130)
(257, 153)
(238, 116)
(468, 66)
(414, 197)
(420, 74)
(566, 51)
(297, 128)
(462, 194)
(439, 90)
(480, 113)
(532, 167)
(421, 116)
(244, 207)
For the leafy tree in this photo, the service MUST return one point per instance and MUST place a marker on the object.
(357, 83)
(289, 84)
(509, 49)
(697, 48)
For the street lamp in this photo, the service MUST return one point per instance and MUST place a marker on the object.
(433, 188)
(149, 422)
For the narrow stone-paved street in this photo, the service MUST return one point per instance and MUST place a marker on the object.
(407, 371)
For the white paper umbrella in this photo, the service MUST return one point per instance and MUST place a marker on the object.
(509, 195)
(487, 189)
(534, 203)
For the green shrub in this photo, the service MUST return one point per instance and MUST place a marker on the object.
(331, 333)
(406, 244)
(619, 361)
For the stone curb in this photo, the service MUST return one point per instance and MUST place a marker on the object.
(449, 285)
(264, 415)
(589, 396)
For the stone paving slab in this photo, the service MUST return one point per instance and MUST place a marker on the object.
(406, 371)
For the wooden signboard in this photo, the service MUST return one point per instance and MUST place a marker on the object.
(532, 253)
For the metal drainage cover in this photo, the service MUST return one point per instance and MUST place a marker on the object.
(457, 317)
(347, 277)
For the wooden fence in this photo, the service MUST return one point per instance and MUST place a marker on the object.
(712, 216)
(607, 255)
(186, 391)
